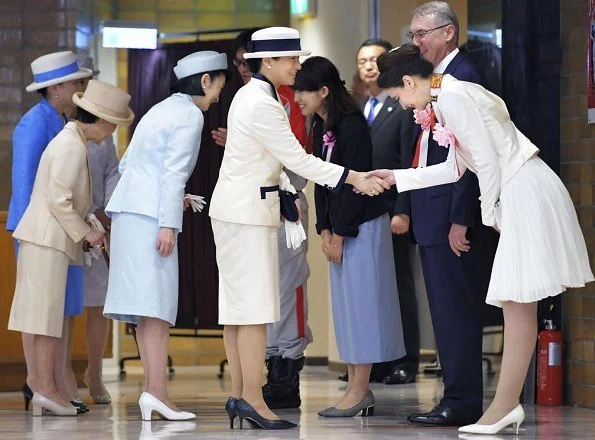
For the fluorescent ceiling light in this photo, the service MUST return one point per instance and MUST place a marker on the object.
(129, 34)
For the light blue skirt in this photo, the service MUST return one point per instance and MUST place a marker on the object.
(75, 279)
(141, 282)
(364, 297)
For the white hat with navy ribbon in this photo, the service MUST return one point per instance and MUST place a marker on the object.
(275, 42)
(56, 68)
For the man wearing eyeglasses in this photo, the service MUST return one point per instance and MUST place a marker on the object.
(288, 338)
(444, 222)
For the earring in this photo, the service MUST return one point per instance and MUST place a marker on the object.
(56, 96)
(413, 89)
(269, 67)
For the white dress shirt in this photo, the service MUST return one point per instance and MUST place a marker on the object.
(381, 97)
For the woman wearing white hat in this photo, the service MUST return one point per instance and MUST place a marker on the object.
(56, 78)
(146, 209)
(53, 228)
(245, 214)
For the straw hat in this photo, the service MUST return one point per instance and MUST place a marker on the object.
(56, 68)
(200, 62)
(106, 102)
(275, 42)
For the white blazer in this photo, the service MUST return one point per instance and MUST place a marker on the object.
(488, 143)
(159, 161)
(259, 144)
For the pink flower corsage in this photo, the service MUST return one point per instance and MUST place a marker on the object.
(443, 136)
(423, 117)
(328, 139)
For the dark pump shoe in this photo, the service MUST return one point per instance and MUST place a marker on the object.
(245, 411)
(442, 415)
(230, 409)
(401, 376)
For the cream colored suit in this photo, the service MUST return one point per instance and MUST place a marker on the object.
(51, 233)
(245, 203)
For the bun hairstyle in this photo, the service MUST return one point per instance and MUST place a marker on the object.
(406, 60)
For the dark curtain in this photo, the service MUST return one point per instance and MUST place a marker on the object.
(150, 77)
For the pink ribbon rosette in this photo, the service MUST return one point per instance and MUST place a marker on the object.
(328, 139)
(423, 117)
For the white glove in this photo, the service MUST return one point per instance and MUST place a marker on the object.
(95, 223)
(95, 251)
(197, 203)
(294, 234)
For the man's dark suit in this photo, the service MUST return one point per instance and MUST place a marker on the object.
(392, 136)
(451, 282)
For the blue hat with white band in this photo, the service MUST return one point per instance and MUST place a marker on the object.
(275, 42)
(56, 68)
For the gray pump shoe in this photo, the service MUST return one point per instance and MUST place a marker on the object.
(323, 412)
(366, 406)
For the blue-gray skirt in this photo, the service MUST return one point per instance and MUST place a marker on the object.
(364, 297)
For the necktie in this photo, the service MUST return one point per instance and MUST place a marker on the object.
(370, 118)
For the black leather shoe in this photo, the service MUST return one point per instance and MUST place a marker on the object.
(245, 411)
(401, 375)
(442, 415)
(282, 389)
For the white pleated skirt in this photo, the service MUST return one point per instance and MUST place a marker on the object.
(542, 250)
(248, 262)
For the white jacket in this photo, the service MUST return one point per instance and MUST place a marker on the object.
(488, 143)
(159, 161)
(259, 144)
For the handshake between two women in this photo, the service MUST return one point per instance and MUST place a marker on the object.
(372, 182)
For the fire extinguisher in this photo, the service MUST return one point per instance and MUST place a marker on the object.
(549, 365)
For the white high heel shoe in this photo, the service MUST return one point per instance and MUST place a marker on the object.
(41, 404)
(149, 403)
(515, 418)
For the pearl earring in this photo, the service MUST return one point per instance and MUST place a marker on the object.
(268, 67)
(56, 96)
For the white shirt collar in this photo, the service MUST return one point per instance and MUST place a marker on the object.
(441, 67)
(381, 97)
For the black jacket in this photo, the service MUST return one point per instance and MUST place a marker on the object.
(392, 137)
(343, 211)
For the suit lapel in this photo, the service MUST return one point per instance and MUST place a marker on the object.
(387, 109)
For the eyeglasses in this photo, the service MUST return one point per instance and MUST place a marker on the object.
(239, 63)
(363, 61)
(421, 35)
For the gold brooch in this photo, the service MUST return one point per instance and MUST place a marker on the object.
(436, 80)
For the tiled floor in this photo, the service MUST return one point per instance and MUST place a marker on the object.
(197, 389)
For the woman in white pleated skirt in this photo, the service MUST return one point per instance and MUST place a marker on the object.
(541, 251)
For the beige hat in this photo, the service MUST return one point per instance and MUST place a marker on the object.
(106, 102)
(56, 68)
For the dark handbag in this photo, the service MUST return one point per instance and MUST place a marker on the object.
(288, 208)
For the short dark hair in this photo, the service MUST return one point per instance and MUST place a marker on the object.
(319, 72)
(406, 60)
(376, 42)
(43, 92)
(254, 64)
(84, 116)
(191, 85)
(241, 40)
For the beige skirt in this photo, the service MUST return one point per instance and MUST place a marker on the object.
(38, 302)
(248, 261)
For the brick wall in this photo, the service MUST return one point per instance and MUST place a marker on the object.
(577, 168)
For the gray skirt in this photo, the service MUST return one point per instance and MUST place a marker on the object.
(364, 297)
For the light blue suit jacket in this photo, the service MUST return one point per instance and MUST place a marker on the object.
(31, 136)
(159, 161)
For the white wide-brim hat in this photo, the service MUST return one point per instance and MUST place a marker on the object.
(275, 42)
(106, 102)
(200, 62)
(56, 68)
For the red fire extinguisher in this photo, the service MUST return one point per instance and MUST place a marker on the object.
(549, 365)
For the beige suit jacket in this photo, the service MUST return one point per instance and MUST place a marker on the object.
(259, 144)
(61, 196)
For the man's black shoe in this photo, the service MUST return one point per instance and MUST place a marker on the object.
(282, 389)
(401, 375)
(442, 415)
